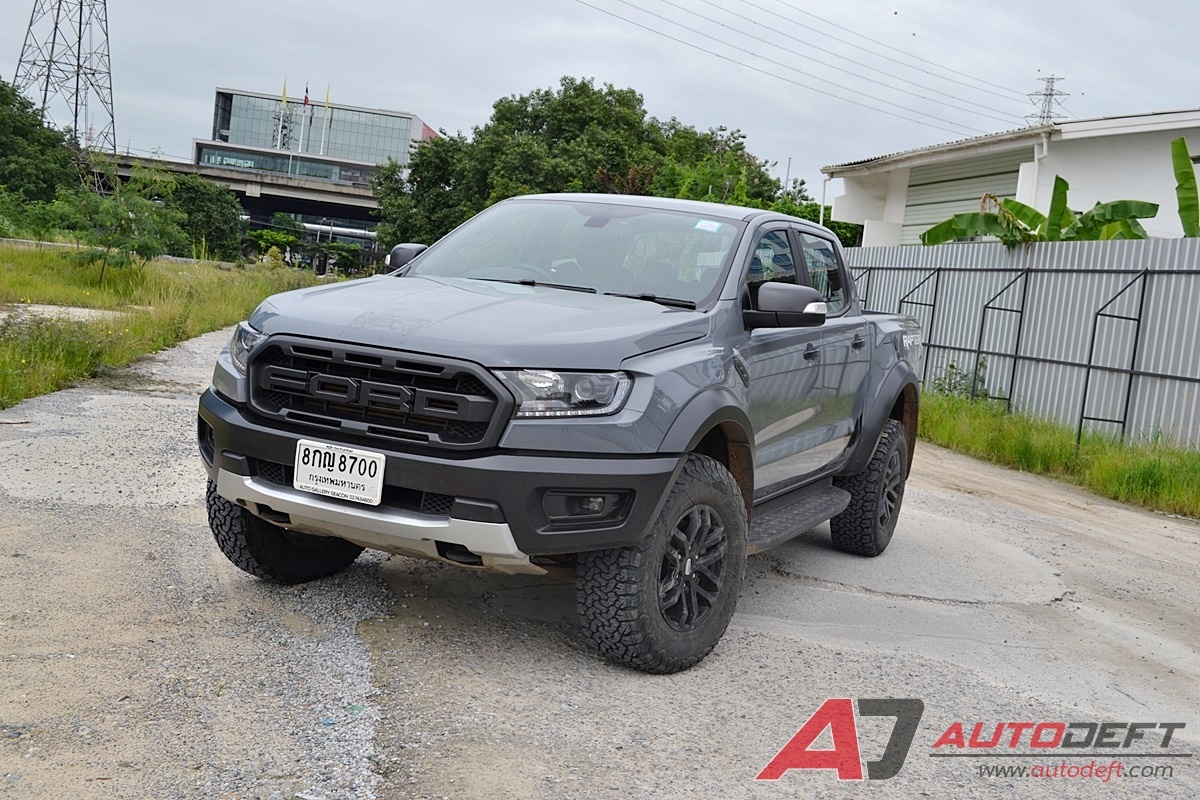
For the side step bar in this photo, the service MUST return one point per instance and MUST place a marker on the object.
(784, 518)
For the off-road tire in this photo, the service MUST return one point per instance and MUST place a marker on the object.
(633, 601)
(272, 553)
(865, 528)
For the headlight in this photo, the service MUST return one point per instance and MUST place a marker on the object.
(545, 393)
(244, 340)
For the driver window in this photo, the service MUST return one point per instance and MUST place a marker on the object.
(824, 273)
(772, 261)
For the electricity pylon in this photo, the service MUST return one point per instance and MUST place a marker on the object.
(65, 69)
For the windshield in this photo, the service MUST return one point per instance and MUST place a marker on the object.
(613, 249)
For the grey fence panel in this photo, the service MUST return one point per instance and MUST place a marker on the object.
(1100, 335)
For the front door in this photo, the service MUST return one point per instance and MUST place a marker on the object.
(786, 398)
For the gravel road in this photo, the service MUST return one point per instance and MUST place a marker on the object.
(135, 662)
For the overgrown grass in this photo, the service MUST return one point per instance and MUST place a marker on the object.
(1152, 475)
(160, 304)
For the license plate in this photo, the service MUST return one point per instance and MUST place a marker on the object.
(336, 471)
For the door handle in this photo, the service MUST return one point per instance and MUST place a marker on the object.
(858, 343)
(811, 353)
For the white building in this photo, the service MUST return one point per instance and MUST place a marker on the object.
(897, 197)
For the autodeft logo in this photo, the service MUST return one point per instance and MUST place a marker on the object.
(1037, 749)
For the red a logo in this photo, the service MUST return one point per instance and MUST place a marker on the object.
(837, 714)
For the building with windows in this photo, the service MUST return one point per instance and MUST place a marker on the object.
(309, 159)
(317, 141)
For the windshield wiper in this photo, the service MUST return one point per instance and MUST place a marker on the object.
(530, 282)
(673, 302)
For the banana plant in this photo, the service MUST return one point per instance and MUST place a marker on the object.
(1185, 187)
(1014, 222)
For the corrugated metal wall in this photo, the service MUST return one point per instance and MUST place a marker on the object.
(939, 191)
(1041, 314)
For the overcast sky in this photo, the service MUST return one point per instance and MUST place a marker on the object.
(797, 77)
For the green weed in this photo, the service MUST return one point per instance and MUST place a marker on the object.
(158, 305)
(1149, 474)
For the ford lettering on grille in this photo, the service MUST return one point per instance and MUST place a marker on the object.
(378, 395)
(373, 395)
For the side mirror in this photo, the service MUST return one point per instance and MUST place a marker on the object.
(403, 253)
(787, 305)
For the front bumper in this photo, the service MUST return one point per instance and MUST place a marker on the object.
(489, 504)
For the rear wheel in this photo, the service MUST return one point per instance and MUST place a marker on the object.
(865, 528)
(661, 605)
(270, 552)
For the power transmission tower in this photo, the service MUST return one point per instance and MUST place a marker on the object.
(65, 68)
(1046, 102)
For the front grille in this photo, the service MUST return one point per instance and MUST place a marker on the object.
(398, 497)
(378, 395)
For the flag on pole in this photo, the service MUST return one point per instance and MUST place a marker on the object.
(311, 108)
(282, 111)
(327, 122)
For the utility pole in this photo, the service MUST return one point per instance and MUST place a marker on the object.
(65, 67)
(1046, 101)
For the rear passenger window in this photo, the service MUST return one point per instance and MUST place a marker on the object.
(824, 272)
(772, 261)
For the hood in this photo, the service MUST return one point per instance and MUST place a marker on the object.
(493, 324)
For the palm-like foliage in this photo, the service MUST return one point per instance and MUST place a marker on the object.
(1014, 222)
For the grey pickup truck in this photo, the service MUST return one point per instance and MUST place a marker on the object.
(639, 391)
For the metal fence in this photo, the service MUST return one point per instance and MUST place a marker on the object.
(1102, 336)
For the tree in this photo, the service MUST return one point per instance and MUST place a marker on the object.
(123, 223)
(283, 233)
(211, 217)
(34, 159)
(444, 188)
(576, 138)
(129, 218)
(713, 166)
(1014, 222)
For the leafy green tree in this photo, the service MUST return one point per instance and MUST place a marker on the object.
(576, 138)
(565, 139)
(211, 217)
(34, 159)
(119, 225)
(283, 233)
(124, 219)
(444, 188)
(266, 238)
(343, 257)
(714, 166)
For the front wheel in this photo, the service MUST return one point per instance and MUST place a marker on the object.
(270, 552)
(661, 605)
(865, 528)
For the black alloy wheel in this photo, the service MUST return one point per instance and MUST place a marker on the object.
(693, 568)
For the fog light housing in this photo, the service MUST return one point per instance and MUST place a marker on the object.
(584, 506)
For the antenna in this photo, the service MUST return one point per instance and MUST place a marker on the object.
(65, 68)
(1046, 101)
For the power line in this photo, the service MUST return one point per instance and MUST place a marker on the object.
(1008, 118)
(1011, 92)
(960, 126)
(956, 37)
